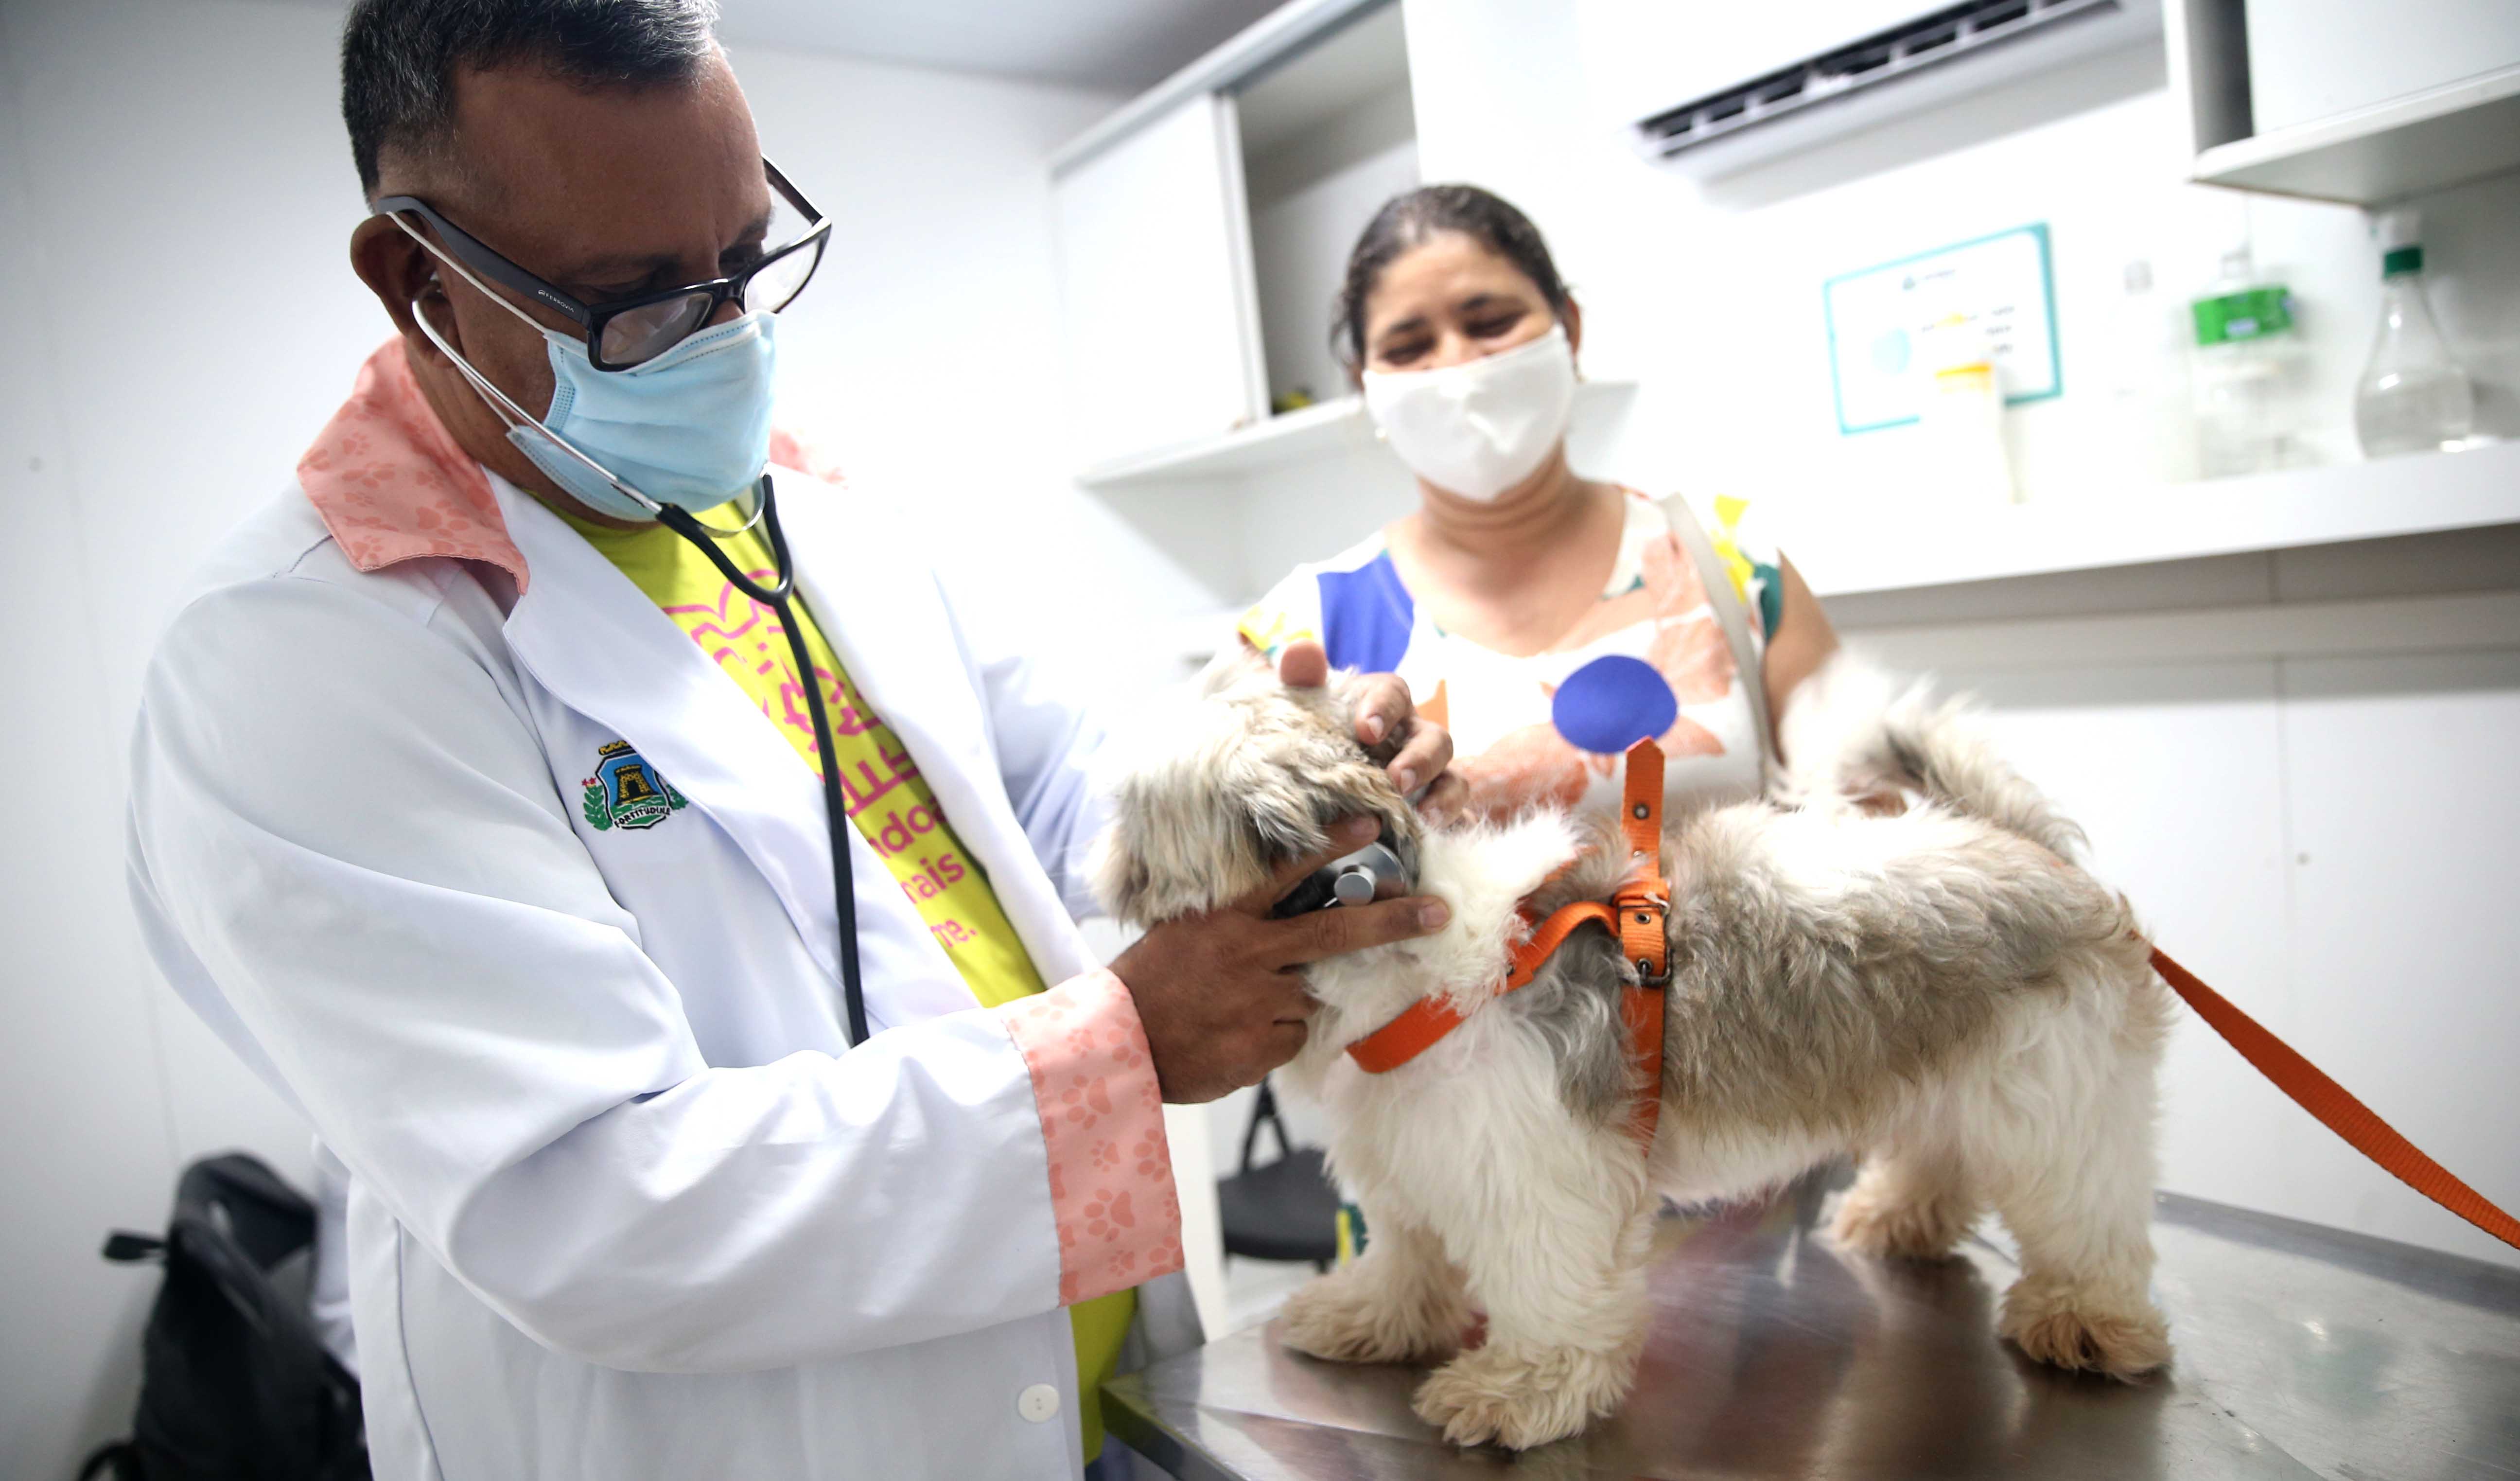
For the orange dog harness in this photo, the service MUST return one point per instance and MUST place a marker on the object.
(1635, 915)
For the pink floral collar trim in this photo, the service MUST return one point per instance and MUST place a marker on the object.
(392, 484)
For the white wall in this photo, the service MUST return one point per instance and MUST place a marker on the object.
(76, 1032)
(1715, 290)
(175, 201)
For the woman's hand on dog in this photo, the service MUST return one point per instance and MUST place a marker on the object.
(1383, 710)
(1221, 994)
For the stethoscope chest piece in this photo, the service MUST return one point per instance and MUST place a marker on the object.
(1355, 879)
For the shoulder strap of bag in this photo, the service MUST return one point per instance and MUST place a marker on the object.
(1732, 617)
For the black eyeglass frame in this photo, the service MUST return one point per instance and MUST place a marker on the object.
(593, 317)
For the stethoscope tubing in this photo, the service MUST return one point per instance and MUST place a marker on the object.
(779, 597)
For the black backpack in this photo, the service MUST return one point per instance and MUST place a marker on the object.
(234, 1385)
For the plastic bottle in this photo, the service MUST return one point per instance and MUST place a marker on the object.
(2152, 426)
(2248, 353)
(1963, 418)
(2413, 397)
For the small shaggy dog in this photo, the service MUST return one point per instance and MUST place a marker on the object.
(1941, 991)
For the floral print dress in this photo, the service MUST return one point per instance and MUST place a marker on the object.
(1649, 659)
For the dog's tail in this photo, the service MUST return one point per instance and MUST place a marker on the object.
(1846, 736)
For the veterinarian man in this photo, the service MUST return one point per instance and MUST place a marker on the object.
(478, 811)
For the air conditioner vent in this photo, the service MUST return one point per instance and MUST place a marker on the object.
(1926, 41)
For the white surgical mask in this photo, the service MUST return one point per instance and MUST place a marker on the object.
(1478, 428)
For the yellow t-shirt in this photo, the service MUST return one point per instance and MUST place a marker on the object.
(890, 803)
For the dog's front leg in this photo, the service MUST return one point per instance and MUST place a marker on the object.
(1556, 1259)
(1399, 1300)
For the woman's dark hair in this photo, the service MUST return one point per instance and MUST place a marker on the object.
(1409, 220)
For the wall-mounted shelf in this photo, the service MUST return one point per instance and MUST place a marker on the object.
(2461, 131)
(1843, 553)
(1847, 555)
(1326, 430)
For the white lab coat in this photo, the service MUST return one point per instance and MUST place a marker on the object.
(620, 1206)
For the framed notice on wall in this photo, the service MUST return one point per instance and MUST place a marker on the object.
(1878, 317)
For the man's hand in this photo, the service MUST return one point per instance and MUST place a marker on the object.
(1383, 708)
(1220, 993)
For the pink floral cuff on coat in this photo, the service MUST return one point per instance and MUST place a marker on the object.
(1102, 1122)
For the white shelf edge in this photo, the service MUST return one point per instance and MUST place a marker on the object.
(2253, 163)
(1216, 455)
(1843, 555)
(2459, 622)
(1323, 429)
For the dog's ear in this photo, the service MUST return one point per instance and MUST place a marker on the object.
(1118, 877)
(1283, 813)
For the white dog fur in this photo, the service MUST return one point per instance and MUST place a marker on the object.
(1941, 992)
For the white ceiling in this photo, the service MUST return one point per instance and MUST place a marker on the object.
(1118, 45)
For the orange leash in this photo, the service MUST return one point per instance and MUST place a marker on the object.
(2336, 1106)
(1635, 915)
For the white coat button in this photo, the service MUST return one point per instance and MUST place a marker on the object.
(1038, 1403)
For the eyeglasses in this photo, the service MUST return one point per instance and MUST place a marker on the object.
(630, 332)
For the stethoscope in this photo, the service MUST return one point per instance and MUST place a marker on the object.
(778, 596)
(1375, 871)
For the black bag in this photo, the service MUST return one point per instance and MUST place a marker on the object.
(234, 1385)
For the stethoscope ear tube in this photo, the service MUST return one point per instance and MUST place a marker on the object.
(780, 597)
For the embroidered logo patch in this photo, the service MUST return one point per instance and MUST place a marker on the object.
(625, 792)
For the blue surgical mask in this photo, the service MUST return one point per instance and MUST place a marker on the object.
(689, 428)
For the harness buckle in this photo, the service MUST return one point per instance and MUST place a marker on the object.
(1643, 909)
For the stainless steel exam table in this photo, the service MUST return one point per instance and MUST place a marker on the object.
(2302, 1352)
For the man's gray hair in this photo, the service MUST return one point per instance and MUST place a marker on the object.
(399, 56)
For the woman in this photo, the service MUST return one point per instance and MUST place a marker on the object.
(1547, 619)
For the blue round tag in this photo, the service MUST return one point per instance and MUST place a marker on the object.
(1611, 704)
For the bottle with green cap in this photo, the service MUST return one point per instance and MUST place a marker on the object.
(2248, 353)
(2413, 397)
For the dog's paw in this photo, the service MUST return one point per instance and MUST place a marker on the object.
(1339, 1318)
(1900, 1227)
(2065, 1328)
(1494, 1396)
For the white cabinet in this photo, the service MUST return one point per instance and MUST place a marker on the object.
(1155, 283)
(2310, 59)
(1204, 231)
(2345, 100)
(1326, 140)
